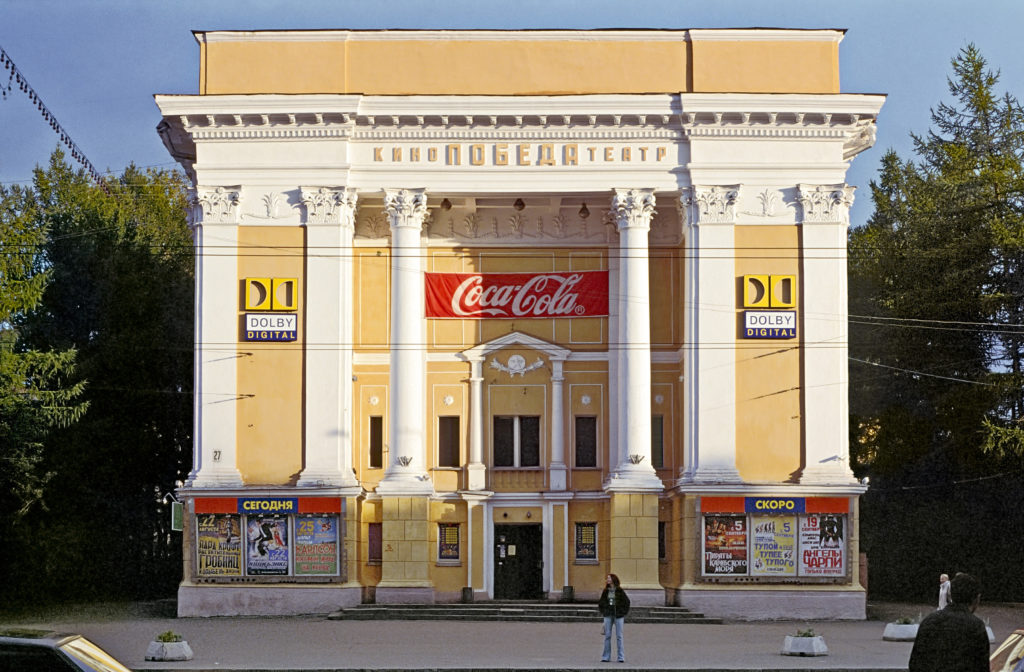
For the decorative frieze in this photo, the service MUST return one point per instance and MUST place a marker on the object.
(825, 203)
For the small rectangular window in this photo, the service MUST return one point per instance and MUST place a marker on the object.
(376, 442)
(586, 542)
(529, 441)
(658, 441)
(661, 540)
(586, 441)
(504, 441)
(448, 441)
(375, 549)
(447, 543)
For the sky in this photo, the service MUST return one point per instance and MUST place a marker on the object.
(96, 64)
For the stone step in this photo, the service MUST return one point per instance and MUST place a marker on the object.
(531, 612)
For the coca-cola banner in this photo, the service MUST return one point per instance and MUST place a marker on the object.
(517, 295)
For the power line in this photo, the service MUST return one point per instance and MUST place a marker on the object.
(16, 77)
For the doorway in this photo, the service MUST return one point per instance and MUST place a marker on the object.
(518, 562)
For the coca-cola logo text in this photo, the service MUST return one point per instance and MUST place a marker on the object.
(517, 295)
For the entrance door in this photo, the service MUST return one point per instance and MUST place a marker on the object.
(518, 563)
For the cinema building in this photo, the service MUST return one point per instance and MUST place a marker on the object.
(491, 314)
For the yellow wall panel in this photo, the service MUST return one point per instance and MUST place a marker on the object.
(766, 66)
(372, 269)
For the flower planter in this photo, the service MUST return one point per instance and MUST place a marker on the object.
(804, 646)
(169, 651)
(900, 632)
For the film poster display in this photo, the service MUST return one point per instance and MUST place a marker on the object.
(725, 545)
(823, 545)
(219, 544)
(773, 546)
(316, 545)
(266, 546)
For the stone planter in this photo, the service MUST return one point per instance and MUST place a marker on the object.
(900, 632)
(804, 646)
(169, 651)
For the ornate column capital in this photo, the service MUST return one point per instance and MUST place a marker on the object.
(825, 203)
(633, 208)
(329, 205)
(216, 205)
(708, 204)
(407, 208)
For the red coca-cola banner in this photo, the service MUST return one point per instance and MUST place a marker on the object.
(517, 295)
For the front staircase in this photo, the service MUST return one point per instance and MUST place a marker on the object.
(534, 612)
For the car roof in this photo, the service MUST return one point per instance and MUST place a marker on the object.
(35, 637)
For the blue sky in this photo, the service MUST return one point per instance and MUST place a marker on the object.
(97, 63)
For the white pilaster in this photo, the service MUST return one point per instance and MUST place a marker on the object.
(406, 469)
(330, 219)
(710, 351)
(557, 470)
(826, 213)
(215, 217)
(633, 209)
(614, 351)
(476, 472)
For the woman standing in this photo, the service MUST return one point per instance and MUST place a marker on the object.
(614, 605)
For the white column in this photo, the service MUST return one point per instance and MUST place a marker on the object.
(557, 469)
(633, 209)
(710, 351)
(614, 324)
(215, 213)
(826, 212)
(406, 471)
(476, 471)
(330, 221)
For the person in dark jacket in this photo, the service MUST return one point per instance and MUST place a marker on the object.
(614, 605)
(953, 639)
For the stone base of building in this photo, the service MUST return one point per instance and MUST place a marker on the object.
(269, 600)
(654, 597)
(764, 605)
(405, 595)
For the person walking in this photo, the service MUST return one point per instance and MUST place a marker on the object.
(943, 590)
(953, 639)
(614, 605)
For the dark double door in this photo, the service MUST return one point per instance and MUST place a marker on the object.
(518, 562)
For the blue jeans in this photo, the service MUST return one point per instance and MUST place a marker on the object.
(607, 655)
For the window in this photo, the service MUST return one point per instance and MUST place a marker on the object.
(447, 543)
(516, 441)
(586, 441)
(662, 555)
(658, 441)
(448, 442)
(376, 442)
(375, 549)
(586, 543)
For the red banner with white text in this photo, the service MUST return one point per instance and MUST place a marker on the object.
(517, 295)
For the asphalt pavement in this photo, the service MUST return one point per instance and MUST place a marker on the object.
(314, 644)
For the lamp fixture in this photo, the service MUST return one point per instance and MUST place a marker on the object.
(519, 205)
(446, 205)
(584, 212)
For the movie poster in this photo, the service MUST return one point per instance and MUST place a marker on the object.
(316, 545)
(773, 546)
(725, 545)
(266, 546)
(823, 545)
(219, 544)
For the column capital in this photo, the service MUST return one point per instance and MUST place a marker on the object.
(406, 208)
(329, 205)
(215, 205)
(633, 208)
(715, 204)
(825, 203)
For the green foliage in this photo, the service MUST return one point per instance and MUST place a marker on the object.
(119, 295)
(936, 338)
(168, 636)
(809, 632)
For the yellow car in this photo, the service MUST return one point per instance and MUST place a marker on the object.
(1009, 657)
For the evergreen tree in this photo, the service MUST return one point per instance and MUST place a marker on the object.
(935, 335)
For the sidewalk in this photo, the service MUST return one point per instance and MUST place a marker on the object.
(312, 643)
